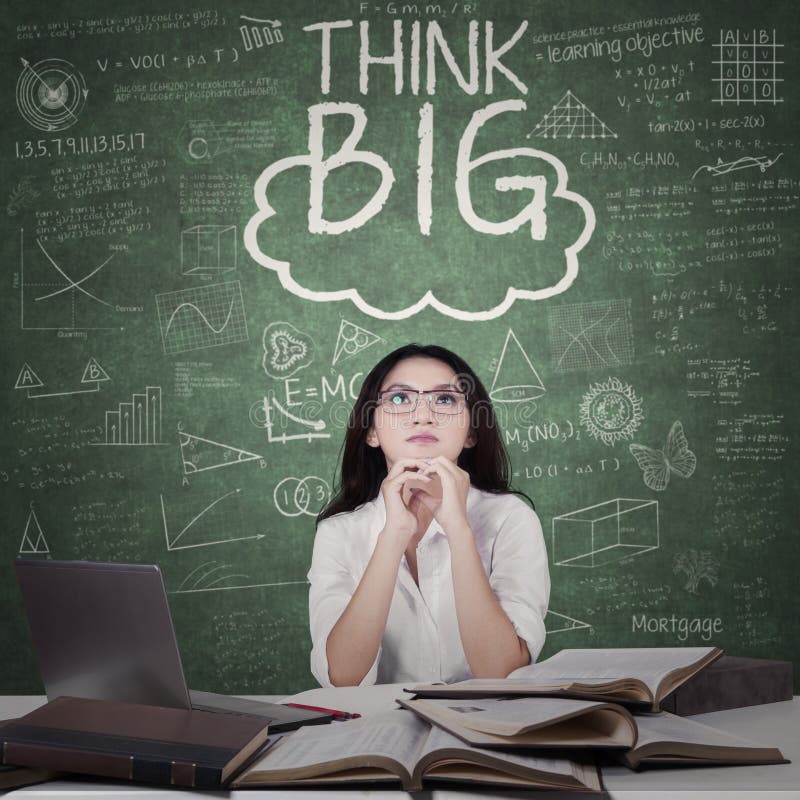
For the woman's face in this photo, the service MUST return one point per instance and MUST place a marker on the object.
(422, 432)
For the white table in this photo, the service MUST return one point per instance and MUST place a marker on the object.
(775, 724)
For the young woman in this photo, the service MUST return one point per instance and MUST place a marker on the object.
(415, 585)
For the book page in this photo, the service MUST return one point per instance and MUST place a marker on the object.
(594, 724)
(392, 734)
(665, 727)
(508, 717)
(647, 664)
(440, 739)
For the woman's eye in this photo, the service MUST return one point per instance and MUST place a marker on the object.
(398, 397)
(445, 399)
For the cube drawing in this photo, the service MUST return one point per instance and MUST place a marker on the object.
(606, 532)
(208, 248)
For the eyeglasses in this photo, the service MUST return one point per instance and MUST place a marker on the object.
(440, 401)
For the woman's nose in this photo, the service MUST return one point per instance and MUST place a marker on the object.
(422, 412)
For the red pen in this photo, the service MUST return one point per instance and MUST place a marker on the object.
(335, 713)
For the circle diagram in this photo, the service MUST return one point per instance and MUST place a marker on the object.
(50, 94)
(295, 496)
(611, 411)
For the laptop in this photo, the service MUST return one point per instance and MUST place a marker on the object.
(105, 631)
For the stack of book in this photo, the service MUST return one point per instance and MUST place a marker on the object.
(548, 725)
(129, 741)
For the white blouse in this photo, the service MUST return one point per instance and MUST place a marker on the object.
(421, 641)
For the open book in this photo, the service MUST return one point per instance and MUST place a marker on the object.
(542, 722)
(639, 676)
(398, 746)
(667, 739)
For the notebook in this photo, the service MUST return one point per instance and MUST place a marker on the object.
(104, 631)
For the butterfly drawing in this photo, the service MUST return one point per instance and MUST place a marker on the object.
(658, 464)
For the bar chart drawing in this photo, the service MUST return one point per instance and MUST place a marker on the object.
(135, 423)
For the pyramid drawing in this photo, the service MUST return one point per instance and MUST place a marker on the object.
(33, 540)
(352, 339)
(569, 118)
(200, 454)
(508, 389)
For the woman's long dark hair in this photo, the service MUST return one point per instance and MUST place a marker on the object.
(364, 467)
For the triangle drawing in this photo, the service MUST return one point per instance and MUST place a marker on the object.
(94, 372)
(558, 623)
(352, 339)
(27, 378)
(33, 540)
(569, 118)
(201, 454)
(506, 389)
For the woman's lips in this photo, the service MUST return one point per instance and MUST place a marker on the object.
(422, 438)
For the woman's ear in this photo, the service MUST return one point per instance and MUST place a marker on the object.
(372, 438)
(471, 440)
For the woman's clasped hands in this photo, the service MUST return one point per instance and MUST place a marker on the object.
(449, 509)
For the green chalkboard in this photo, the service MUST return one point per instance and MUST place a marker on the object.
(217, 218)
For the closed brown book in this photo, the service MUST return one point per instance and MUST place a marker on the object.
(732, 682)
(128, 741)
(12, 777)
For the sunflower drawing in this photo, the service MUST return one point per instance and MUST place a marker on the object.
(611, 411)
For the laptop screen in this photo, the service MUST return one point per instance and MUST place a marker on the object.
(103, 631)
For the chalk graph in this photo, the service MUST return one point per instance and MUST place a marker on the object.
(53, 297)
(214, 576)
(206, 316)
(585, 335)
(216, 523)
(260, 32)
(135, 423)
(763, 163)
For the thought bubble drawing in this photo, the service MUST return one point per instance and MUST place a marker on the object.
(338, 226)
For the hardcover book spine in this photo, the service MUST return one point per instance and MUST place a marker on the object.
(111, 765)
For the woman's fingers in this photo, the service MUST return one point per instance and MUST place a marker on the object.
(398, 481)
(445, 475)
(414, 502)
(403, 464)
